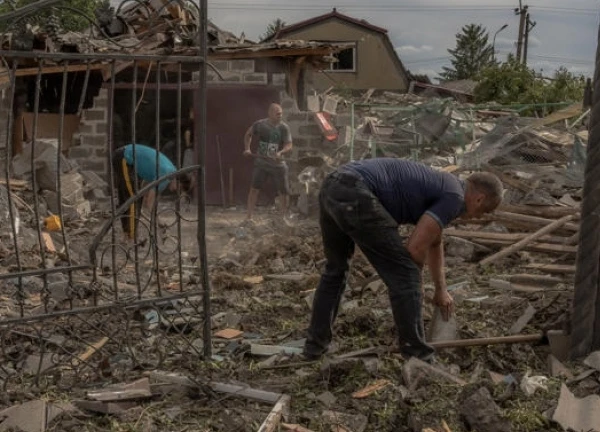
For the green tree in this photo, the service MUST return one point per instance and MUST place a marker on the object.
(472, 54)
(70, 14)
(513, 83)
(273, 28)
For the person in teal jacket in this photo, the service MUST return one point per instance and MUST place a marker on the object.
(139, 160)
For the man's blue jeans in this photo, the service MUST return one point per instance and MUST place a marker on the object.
(350, 214)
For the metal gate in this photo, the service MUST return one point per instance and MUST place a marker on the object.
(70, 317)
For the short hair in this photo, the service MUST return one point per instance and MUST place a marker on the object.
(489, 185)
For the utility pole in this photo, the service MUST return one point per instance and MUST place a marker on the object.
(585, 323)
(522, 12)
(529, 25)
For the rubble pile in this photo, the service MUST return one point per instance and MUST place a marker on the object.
(143, 26)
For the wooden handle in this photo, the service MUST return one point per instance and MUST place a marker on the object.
(488, 341)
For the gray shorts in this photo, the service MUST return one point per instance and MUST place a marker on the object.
(278, 173)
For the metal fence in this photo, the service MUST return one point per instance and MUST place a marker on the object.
(70, 317)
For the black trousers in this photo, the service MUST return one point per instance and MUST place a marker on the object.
(350, 214)
(125, 181)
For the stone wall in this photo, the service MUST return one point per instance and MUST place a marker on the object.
(235, 71)
(89, 150)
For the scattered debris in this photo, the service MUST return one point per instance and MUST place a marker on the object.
(530, 384)
(577, 414)
(369, 390)
(482, 414)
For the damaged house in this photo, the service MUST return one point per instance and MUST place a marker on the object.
(243, 79)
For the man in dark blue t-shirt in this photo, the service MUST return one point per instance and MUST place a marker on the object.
(363, 203)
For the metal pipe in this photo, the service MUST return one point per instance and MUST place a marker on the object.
(200, 129)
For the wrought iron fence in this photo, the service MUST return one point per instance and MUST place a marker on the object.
(69, 316)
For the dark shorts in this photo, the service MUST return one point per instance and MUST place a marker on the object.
(278, 175)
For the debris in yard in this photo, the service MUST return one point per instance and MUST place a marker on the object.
(294, 428)
(279, 411)
(269, 350)
(255, 280)
(577, 414)
(342, 422)
(137, 390)
(482, 414)
(557, 369)
(327, 399)
(441, 329)
(593, 360)
(229, 333)
(523, 320)
(414, 371)
(369, 390)
(530, 384)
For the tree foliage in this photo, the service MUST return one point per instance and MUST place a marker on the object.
(472, 54)
(273, 28)
(513, 83)
(71, 14)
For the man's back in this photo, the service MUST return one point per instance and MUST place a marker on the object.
(408, 189)
(145, 163)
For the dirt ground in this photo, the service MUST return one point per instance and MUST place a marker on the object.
(264, 275)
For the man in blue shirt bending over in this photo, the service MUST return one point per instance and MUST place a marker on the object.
(363, 203)
(139, 160)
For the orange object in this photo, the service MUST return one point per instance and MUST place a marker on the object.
(331, 133)
(229, 333)
(369, 390)
(53, 223)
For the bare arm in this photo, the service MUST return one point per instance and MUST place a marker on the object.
(286, 148)
(248, 140)
(426, 234)
(425, 246)
(435, 262)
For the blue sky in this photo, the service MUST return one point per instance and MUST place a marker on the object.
(422, 31)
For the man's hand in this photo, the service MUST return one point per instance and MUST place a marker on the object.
(279, 155)
(247, 153)
(444, 301)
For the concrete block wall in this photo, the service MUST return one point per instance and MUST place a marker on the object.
(234, 71)
(89, 151)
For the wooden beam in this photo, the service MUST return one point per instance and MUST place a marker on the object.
(533, 247)
(289, 52)
(273, 420)
(549, 212)
(527, 240)
(552, 268)
(508, 237)
(505, 216)
(5, 76)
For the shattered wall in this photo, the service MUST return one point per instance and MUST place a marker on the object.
(235, 71)
(89, 151)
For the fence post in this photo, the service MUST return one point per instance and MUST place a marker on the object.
(585, 325)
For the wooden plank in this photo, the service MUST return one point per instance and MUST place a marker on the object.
(533, 278)
(549, 212)
(510, 237)
(92, 349)
(52, 70)
(533, 247)
(529, 239)
(273, 420)
(552, 268)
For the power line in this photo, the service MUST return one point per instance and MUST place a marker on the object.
(390, 7)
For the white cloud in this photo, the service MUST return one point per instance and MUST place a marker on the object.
(414, 49)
